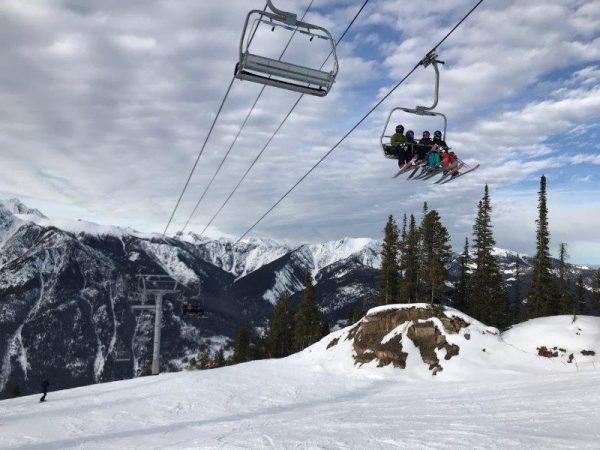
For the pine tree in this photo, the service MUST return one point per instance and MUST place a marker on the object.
(241, 346)
(488, 298)
(542, 295)
(404, 225)
(517, 287)
(307, 321)
(435, 253)
(220, 358)
(565, 301)
(204, 358)
(596, 292)
(280, 332)
(409, 263)
(461, 294)
(580, 305)
(389, 272)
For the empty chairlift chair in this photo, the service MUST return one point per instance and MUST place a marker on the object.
(278, 73)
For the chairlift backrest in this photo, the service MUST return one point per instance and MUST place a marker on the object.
(278, 73)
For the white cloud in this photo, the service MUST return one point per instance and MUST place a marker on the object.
(108, 104)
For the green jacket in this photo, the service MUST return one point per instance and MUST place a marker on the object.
(397, 139)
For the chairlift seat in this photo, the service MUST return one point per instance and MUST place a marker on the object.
(288, 76)
(282, 74)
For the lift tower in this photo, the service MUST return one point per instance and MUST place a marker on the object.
(157, 286)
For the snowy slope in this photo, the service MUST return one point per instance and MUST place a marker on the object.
(560, 335)
(320, 399)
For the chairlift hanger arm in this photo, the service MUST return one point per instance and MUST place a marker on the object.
(289, 18)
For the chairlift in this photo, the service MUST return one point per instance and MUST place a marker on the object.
(278, 73)
(193, 310)
(193, 306)
(388, 150)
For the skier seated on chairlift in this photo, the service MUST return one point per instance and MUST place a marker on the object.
(411, 149)
(433, 158)
(437, 139)
(449, 160)
(424, 146)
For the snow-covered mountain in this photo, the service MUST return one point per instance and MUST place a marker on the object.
(66, 288)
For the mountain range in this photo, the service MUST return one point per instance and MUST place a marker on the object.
(67, 287)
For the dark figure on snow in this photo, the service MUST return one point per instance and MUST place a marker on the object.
(424, 146)
(437, 139)
(45, 385)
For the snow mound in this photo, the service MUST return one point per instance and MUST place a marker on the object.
(423, 341)
(569, 341)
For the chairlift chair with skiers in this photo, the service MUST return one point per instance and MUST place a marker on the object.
(279, 73)
(193, 306)
(448, 169)
(388, 150)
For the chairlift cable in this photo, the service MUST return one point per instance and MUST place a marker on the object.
(242, 126)
(287, 116)
(337, 144)
(212, 126)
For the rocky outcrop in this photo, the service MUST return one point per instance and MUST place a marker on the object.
(380, 335)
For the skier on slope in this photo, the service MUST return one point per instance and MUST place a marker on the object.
(45, 385)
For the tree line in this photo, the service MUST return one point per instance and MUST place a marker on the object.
(414, 261)
(290, 330)
(414, 269)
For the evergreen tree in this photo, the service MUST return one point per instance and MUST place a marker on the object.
(280, 332)
(435, 253)
(596, 292)
(203, 358)
(241, 346)
(517, 314)
(542, 295)
(307, 321)
(220, 358)
(409, 263)
(580, 305)
(461, 294)
(565, 301)
(389, 272)
(404, 225)
(488, 298)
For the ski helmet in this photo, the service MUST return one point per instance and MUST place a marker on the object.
(399, 128)
(410, 134)
(437, 134)
(426, 134)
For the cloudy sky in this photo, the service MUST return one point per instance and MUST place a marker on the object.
(105, 105)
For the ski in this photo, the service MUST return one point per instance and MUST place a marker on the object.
(414, 172)
(449, 172)
(405, 168)
(454, 177)
(432, 173)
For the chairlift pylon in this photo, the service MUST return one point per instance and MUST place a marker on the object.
(388, 150)
(278, 73)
